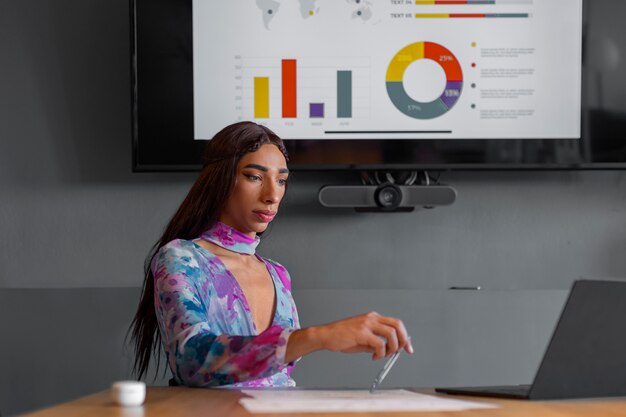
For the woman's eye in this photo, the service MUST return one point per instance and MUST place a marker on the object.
(253, 177)
(282, 181)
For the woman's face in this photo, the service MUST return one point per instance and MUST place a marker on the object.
(260, 185)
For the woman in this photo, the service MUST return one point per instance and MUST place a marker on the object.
(225, 316)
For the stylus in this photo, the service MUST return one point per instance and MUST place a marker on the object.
(383, 372)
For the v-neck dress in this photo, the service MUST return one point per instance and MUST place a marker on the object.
(206, 326)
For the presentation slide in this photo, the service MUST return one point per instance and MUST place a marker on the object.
(389, 69)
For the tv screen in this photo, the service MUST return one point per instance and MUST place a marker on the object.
(396, 84)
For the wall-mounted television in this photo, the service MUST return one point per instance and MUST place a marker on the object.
(393, 84)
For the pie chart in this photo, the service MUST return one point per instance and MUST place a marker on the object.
(396, 89)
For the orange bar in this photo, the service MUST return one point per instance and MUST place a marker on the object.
(289, 88)
(444, 57)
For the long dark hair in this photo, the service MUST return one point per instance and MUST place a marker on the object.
(199, 211)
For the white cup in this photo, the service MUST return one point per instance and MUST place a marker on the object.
(128, 393)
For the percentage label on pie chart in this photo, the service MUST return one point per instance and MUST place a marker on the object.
(396, 89)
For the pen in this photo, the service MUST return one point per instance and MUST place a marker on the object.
(383, 372)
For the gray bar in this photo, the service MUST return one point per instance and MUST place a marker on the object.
(505, 15)
(344, 93)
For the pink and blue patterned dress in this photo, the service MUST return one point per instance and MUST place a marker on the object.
(206, 325)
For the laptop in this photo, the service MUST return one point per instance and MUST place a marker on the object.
(586, 356)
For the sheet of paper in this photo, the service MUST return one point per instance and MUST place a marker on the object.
(320, 401)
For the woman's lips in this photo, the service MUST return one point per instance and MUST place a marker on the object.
(265, 216)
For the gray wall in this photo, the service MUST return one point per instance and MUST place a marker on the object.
(75, 225)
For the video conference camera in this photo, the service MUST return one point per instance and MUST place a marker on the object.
(386, 196)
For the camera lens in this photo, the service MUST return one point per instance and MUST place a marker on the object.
(388, 196)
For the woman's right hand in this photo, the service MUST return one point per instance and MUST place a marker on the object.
(374, 333)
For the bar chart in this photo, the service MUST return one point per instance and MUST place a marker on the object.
(431, 5)
(303, 88)
(471, 15)
(471, 2)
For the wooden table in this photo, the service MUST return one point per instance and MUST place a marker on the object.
(190, 402)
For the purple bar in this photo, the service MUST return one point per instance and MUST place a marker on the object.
(452, 93)
(316, 109)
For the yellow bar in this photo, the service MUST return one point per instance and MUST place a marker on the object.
(424, 1)
(431, 15)
(403, 59)
(261, 97)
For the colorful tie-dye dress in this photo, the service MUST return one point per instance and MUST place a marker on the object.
(205, 322)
